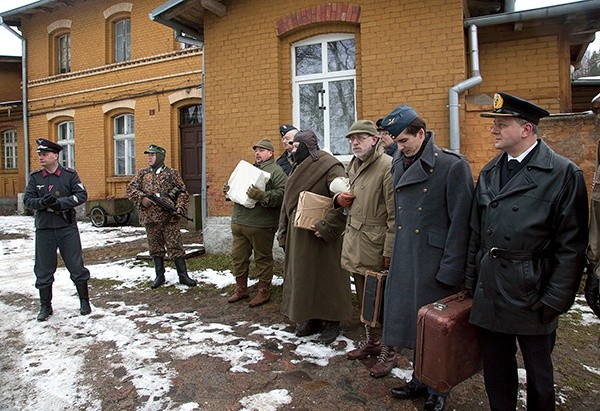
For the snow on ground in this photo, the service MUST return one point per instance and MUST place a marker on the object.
(43, 379)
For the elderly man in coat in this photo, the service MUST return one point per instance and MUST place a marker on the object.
(526, 255)
(316, 291)
(433, 189)
(369, 235)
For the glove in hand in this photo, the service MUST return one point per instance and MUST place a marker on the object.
(549, 314)
(49, 199)
(386, 263)
(55, 205)
(225, 188)
(181, 211)
(146, 202)
(255, 193)
(591, 292)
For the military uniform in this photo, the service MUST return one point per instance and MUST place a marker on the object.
(162, 228)
(54, 197)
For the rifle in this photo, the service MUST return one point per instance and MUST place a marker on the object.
(166, 207)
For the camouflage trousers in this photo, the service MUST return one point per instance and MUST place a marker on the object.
(165, 237)
(258, 239)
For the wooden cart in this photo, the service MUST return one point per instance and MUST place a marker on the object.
(99, 210)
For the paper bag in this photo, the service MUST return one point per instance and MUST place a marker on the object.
(311, 209)
(244, 175)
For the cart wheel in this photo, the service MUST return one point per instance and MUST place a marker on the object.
(98, 217)
(122, 218)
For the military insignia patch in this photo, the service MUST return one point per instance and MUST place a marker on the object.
(498, 101)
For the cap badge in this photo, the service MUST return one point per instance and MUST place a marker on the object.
(498, 101)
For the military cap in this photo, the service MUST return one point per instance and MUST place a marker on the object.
(155, 150)
(362, 127)
(400, 118)
(506, 105)
(264, 143)
(283, 130)
(47, 145)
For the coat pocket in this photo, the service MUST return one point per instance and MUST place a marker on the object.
(437, 238)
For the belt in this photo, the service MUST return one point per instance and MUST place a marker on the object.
(496, 252)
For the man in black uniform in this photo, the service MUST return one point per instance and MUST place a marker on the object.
(53, 192)
(286, 159)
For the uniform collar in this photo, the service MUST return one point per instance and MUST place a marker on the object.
(46, 173)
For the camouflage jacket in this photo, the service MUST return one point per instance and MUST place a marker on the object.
(166, 183)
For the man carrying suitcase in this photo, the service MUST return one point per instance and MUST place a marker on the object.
(433, 189)
(526, 254)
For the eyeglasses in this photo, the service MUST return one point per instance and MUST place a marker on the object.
(359, 137)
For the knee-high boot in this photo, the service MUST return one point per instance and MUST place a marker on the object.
(45, 303)
(159, 267)
(184, 278)
(84, 298)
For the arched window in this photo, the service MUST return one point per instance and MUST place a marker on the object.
(324, 89)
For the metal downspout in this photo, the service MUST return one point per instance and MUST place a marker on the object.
(203, 197)
(24, 87)
(474, 80)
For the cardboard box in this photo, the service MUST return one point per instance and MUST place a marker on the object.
(245, 175)
(311, 209)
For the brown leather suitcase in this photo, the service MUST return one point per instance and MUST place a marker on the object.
(372, 309)
(448, 347)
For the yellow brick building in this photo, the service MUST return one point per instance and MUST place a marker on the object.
(105, 82)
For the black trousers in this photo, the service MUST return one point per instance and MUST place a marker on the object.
(500, 370)
(67, 240)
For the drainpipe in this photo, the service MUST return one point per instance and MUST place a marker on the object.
(24, 82)
(492, 20)
(203, 197)
(461, 87)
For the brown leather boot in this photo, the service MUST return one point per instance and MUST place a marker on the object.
(370, 346)
(241, 289)
(263, 294)
(386, 361)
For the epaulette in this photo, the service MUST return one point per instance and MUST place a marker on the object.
(70, 170)
(448, 151)
(36, 171)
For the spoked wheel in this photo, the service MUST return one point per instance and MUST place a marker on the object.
(98, 217)
(122, 218)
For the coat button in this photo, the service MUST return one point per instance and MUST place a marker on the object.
(420, 209)
(399, 227)
(431, 170)
(397, 190)
(494, 204)
(488, 232)
(417, 231)
(507, 237)
(399, 207)
(515, 208)
(424, 190)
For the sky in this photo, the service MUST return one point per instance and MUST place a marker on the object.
(10, 45)
(41, 379)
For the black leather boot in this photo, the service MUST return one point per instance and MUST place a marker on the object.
(84, 298)
(45, 303)
(159, 267)
(331, 330)
(182, 273)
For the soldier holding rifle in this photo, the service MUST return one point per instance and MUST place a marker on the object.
(159, 190)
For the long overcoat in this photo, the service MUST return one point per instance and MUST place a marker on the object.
(315, 285)
(541, 211)
(433, 198)
(369, 234)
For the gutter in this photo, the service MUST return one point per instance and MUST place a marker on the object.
(486, 21)
(203, 197)
(24, 85)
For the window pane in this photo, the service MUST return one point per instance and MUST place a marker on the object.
(308, 59)
(120, 125)
(9, 142)
(341, 104)
(123, 40)
(120, 157)
(64, 53)
(341, 55)
(311, 116)
(191, 115)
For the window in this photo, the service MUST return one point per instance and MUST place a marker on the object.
(63, 47)
(191, 115)
(124, 137)
(122, 31)
(324, 87)
(66, 138)
(9, 143)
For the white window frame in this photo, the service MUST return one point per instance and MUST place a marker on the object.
(122, 39)
(65, 132)
(63, 47)
(124, 145)
(9, 143)
(326, 77)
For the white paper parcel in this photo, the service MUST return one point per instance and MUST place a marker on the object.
(245, 175)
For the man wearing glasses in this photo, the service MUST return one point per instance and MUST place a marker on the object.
(286, 159)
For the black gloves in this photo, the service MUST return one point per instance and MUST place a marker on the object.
(49, 200)
(590, 291)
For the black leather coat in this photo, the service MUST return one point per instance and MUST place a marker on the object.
(537, 224)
